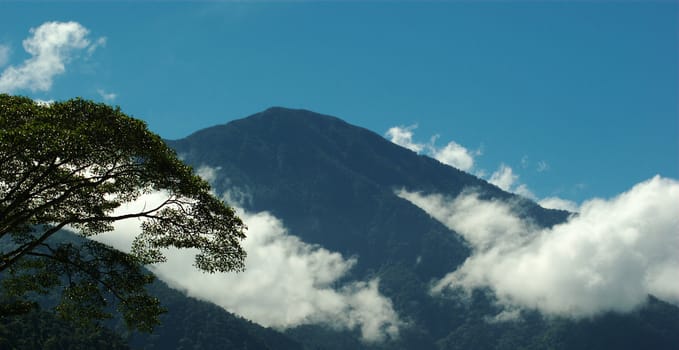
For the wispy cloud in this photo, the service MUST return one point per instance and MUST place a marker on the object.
(100, 42)
(452, 153)
(609, 257)
(107, 96)
(524, 161)
(4, 55)
(558, 203)
(540, 166)
(403, 136)
(458, 156)
(504, 178)
(51, 46)
(287, 282)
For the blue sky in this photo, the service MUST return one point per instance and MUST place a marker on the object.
(580, 99)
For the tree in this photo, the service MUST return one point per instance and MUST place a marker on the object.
(70, 165)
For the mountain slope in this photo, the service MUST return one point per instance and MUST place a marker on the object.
(194, 324)
(333, 185)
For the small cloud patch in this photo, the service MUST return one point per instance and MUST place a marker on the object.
(52, 46)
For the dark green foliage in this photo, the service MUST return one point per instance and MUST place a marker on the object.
(327, 338)
(40, 330)
(90, 273)
(70, 164)
(655, 326)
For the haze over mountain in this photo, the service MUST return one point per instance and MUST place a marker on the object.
(342, 221)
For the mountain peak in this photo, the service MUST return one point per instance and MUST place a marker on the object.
(277, 110)
(291, 115)
(284, 158)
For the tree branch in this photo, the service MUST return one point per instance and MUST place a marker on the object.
(25, 249)
(80, 268)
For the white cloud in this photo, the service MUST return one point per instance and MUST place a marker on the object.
(287, 282)
(507, 180)
(43, 103)
(558, 203)
(403, 136)
(454, 155)
(101, 42)
(609, 257)
(51, 46)
(480, 173)
(107, 96)
(523, 190)
(504, 178)
(208, 173)
(484, 222)
(458, 156)
(4, 55)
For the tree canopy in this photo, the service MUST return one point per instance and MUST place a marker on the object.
(70, 165)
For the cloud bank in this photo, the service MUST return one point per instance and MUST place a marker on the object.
(609, 257)
(452, 154)
(287, 282)
(51, 46)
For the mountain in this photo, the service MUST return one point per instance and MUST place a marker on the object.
(194, 324)
(41, 329)
(333, 184)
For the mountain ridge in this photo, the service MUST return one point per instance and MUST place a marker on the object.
(328, 131)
